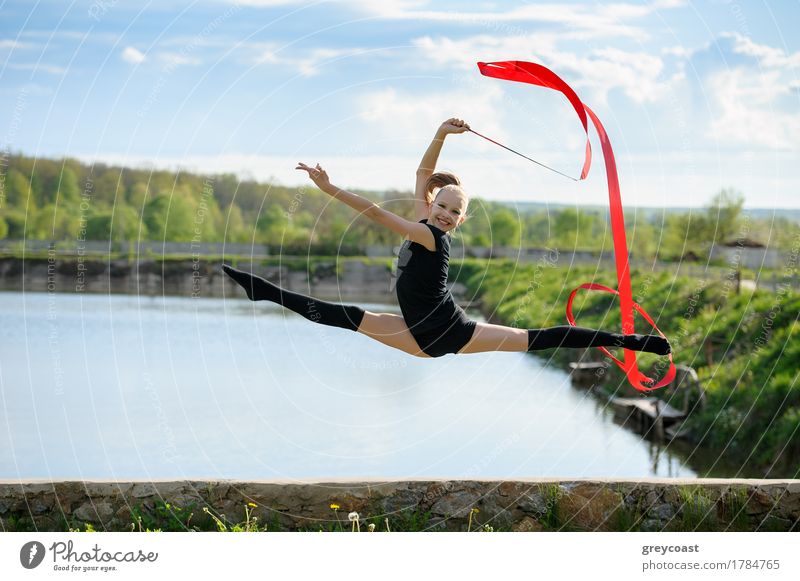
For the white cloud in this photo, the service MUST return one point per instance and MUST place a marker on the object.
(96, 36)
(580, 20)
(186, 41)
(388, 110)
(590, 20)
(307, 63)
(49, 34)
(266, 53)
(132, 55)
(767, 56)
(746, 113)
(678, 51)
(637, 74)
(175, 59)
(747, 87)
(463, 53)
(14, 44)
(39, 67)
(29, 89)
(381, 7)
(268, 3)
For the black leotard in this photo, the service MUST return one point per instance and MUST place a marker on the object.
(437, 323)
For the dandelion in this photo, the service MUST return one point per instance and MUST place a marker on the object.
(250, 521)
(220, 525)
(353, 516)
(335, 508)
(471, 512)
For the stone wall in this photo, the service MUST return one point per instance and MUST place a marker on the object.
(431, 505)
(358, 280)
(194, 278)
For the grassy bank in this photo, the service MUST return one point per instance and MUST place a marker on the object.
(745, 347)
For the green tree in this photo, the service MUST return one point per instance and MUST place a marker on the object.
(207, 219)
(18, 191)
(780, 232)
(506, 229)
(54, 223)
(138, 195)
(127, 224)
(682, 236)
(723, 216)
(537, 229)
(108, 189)
(69, 193)
(226, 188)
(644, 240)
(98, 226)
(169, 218)
(15, 220)
(588, 225)
(642, 236)
(565, 228)
(271, 227)
(121, 224)
(333, 235)
(44, 182)
(234, 228)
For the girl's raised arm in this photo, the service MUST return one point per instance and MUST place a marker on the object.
(414, 230)
(428, 164)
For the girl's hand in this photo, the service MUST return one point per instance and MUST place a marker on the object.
(318, 175)
(454, 125)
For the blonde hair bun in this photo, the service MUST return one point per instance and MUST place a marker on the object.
(439, 180)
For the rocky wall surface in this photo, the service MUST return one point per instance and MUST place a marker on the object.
(189, 278)
(428, 505)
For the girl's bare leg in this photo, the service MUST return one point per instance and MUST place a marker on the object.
(488, 337)
(390, 330)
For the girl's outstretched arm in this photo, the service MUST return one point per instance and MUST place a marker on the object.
(414, 230)
(428, 164)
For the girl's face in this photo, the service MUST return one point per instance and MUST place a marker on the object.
(449, 209)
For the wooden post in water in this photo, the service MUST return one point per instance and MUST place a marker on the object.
(658, 422)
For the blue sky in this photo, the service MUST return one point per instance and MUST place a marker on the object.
(695, 97)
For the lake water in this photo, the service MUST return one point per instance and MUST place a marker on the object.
(120, 386)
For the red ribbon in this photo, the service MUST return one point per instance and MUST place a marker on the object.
(531, 73)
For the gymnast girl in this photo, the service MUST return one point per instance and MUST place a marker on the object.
(432, 323)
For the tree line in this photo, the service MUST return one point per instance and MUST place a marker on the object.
(46, 199)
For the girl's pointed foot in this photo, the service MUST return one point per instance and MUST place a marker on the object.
(647, 343)
(246, 280)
